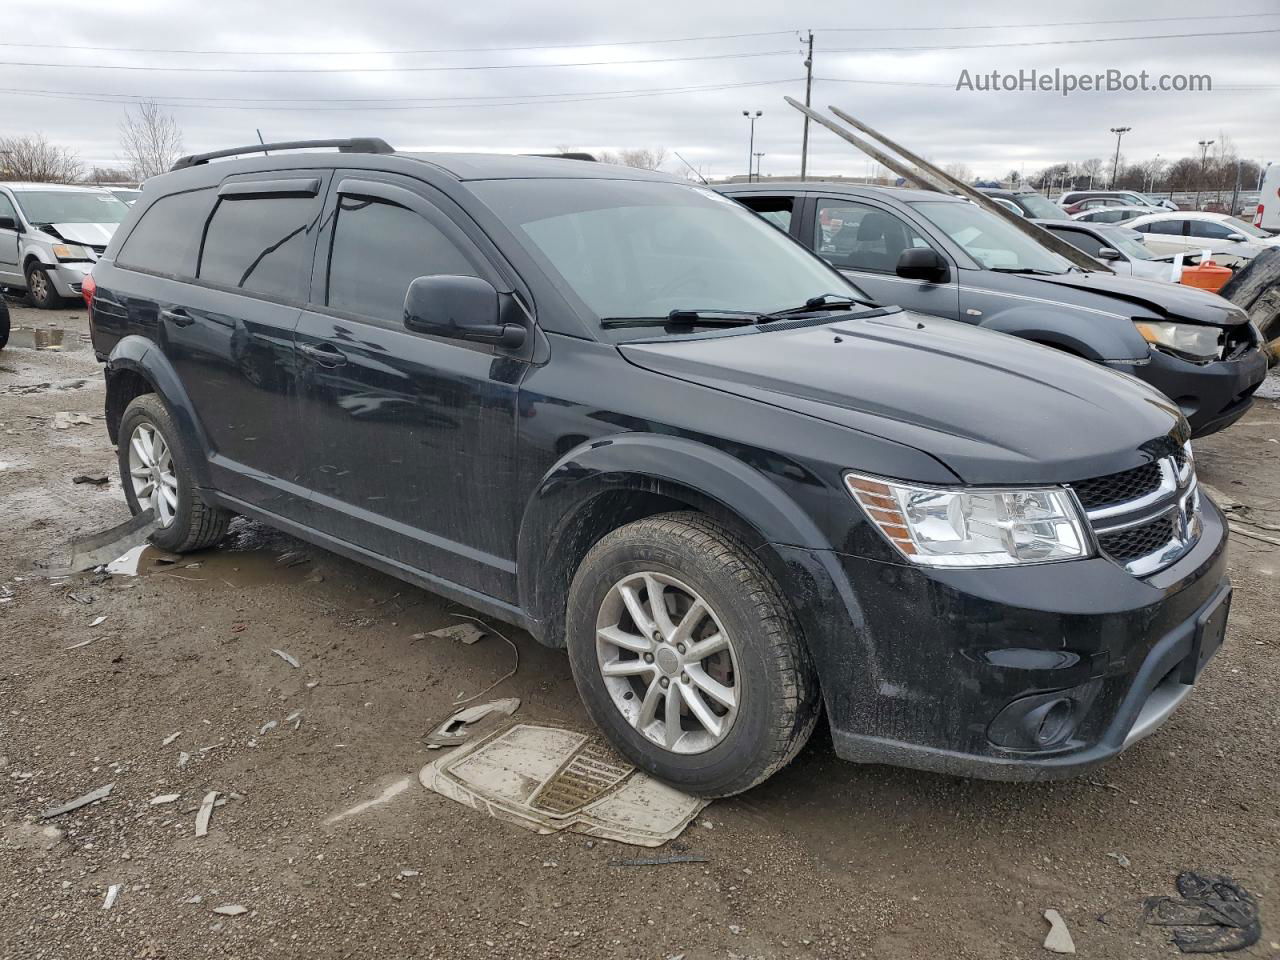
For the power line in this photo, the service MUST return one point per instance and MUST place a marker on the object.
(510, 100)
(1037, 26)
(431, 69)
(1053, 43)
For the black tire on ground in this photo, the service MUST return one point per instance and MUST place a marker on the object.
(4, 322)
(774, 680)
(40, 290)
(196, 525)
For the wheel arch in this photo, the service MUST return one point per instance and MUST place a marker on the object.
(605, 484)
(1092, 336)
(137, 366)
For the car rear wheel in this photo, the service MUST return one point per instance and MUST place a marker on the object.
(40, 289)
(156, 475)
(687, 655)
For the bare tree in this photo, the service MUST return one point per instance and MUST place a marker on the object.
(643, 157)
(960, 171)
(109, 175)
(34, 158)
(151, 140)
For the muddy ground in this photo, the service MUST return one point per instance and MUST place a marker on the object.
(824, 860)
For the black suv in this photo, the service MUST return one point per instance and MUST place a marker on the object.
(946, 256)
(622, 412)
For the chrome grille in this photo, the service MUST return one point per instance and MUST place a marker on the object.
(1145, 518)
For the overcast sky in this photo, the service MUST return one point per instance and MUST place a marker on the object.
(912, 99)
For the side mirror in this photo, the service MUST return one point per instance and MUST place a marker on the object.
(460, 308)
(1107, 253)
(1236, 237)
(923, 263)
(8, 223)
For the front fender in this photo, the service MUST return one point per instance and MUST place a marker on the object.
(705, 477)
(1093, 336)
(142, 357)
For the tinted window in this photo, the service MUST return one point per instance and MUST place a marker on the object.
(1210, 229)
(775, 210)
(1169, 227)
(1081, 241)
(378, 250)
(861, 237)
(995, 244)
(167, 238)
(261, 245)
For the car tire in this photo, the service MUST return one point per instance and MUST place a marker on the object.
(155, 472)
(756, 691)
(41, 292)
(4, 322)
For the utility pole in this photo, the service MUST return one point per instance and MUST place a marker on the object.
(1204, 146)
(808, 90)
(1115, 166)
(759, 157)
(751, 144)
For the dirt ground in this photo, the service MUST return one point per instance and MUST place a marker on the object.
(825, 860)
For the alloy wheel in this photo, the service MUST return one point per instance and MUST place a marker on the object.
(667, 662)
(155, 484)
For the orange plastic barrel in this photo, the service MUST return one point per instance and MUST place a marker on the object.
(1208, 276)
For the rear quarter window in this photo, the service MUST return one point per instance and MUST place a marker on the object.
(261, 245)
(167, 237)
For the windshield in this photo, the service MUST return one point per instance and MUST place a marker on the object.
(70, 206)
(1119, 238)
(1041, 207)
(641, 249)
(1248, 229)
(996, 245)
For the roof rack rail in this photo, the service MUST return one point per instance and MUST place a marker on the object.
(572, 155)
(346, 145)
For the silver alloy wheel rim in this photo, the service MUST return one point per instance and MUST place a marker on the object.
(155, 484)
(667, 662)
(39, 284)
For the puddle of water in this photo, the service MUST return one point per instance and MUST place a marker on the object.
(48, 338)
(251, 555)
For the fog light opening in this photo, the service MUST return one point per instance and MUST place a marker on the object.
(1055, 722)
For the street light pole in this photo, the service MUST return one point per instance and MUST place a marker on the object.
(1204, 146)
(1115, 166)
(1155, 168)
(759, 157)
(751, 144)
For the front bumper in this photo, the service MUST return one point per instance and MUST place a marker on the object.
(1210, 395)
(956, 670)
(68, 278)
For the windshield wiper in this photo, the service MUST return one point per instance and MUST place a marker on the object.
(707, 317)
(1035, 271)
(826, 301)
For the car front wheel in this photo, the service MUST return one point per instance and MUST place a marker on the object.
(40, 289)
(687, 655)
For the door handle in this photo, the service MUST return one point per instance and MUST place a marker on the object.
(326, 355)
(178, 317)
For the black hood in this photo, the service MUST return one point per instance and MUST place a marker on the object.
(993, 408)
(1174, 301)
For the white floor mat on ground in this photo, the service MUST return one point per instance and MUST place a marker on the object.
(547, 779)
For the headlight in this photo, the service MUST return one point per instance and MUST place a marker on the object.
(960, 527)
(1185, 339)
(70, 251)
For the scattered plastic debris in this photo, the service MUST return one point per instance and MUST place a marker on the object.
(96, 479)
(126, 565)
(287, 658)
(1214, 915)
(83, 643)
(269, 725)
(467, 633)
(406, 874)
(170, 738)
(91, 797)
(547, 779)
(107, 545)
(457, 729)
(205, 812)
(164, 798)
(113, 891)
(394, 790)
(1059, 938)
(183, 759)
(1120, 858)
(98, 621)
(194, 899)
(62, 420)
(295, 718)
(515, 651)
(80, 598)
(231, 910)
(293, 558)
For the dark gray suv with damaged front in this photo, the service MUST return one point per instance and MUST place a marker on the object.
(624, 413)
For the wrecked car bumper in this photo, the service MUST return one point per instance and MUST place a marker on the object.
(1211, 396)
(1013, 673)
(68, 278)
